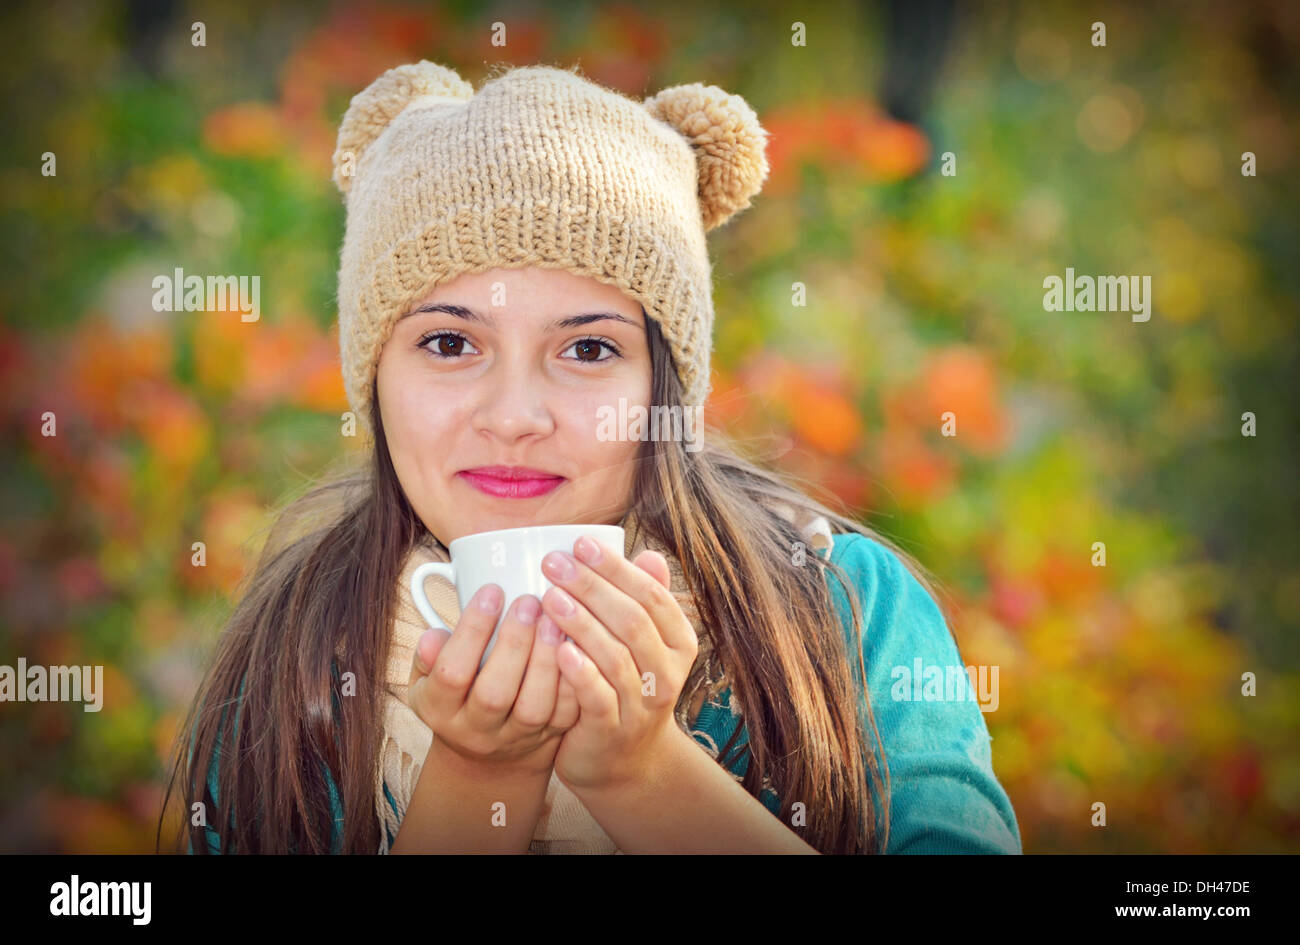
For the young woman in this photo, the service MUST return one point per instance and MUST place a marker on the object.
(519, 263)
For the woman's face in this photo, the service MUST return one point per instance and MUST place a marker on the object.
(509, 368)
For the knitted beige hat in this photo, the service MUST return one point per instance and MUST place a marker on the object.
(539, 167)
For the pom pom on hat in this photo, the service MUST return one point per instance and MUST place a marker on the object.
(373, 109)
(729, 143)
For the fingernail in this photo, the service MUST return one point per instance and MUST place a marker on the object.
(419, 647)
(587, 550)
(561, 601)
(527, 609)
(558, 566)
(488, 598)
(549, 631)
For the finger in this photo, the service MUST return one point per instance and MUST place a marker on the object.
(612, 660)
(566, 704)
(655, 565)
(536, 702)
(597, 699)
(596, 589)
(426, 653)
(495, 690)
(458, 662)
(631, 600)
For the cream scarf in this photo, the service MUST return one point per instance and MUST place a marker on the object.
(565, 825)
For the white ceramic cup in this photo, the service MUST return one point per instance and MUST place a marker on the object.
(511, 558)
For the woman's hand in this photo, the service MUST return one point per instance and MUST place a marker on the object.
(630, 653)
(512, 712)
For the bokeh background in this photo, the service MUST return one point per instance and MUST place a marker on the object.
(1120, 684)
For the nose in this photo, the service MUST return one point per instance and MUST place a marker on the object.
(512, 404)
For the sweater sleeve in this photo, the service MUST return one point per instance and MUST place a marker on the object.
(944, 796)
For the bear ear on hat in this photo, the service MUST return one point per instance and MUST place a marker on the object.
(373, 109)
(729, 143)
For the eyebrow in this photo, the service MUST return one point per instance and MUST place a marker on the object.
(469, 315)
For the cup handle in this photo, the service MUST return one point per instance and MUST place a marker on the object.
(443, 569)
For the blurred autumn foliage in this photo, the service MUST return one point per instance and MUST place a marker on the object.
(865, 296)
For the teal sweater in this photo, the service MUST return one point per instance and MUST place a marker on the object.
(944, 796)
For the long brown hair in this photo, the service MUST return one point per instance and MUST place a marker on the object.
(320, 601)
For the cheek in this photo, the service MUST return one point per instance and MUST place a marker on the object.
(419, 420)
(597, 437)
(604, 397)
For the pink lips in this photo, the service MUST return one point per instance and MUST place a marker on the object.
(510, 482)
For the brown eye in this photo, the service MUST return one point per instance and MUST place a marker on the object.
(593, 346)
(448, 345)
